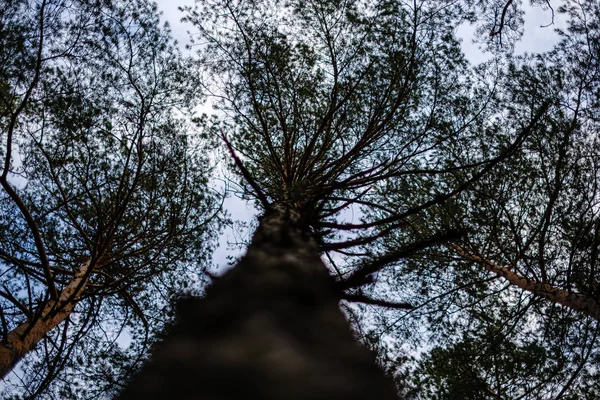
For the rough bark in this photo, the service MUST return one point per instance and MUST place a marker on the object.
(27, 335)
(575, 301)
(270, 328)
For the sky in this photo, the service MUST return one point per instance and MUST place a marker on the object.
(535, 39)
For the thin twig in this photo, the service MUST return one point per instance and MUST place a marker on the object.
(552, 10)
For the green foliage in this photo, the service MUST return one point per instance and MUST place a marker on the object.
(318, 92)
(536, 213)
(365, 117)
(103, 167)
(368, 111)
(463, 370)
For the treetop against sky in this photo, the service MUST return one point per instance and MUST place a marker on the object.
(468, 183)
(444, 195)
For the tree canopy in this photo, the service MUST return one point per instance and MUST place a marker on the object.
(465, 195)
(105, 205)
(455, 205)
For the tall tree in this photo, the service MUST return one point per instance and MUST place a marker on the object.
(519, 290)
(557, 173)
(328, 103)
(105, 202)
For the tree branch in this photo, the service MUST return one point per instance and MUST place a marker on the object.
(574, 301)
(356, 298)
(502, 20)
(360, 275)
(246, 174)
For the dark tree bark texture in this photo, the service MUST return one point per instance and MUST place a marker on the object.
(270, 328)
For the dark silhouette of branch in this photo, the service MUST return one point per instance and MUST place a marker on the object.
(8, 296)
(358, 298)
(552, 10)
(439, 199)
(31, 223)
(246, 174)
(502, 20)
(361, 274)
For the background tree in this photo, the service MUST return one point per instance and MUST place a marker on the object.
(519, 289)
(106, 214)
(328, 104)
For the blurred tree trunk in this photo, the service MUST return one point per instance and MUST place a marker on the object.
(270, 328)
(27, 335)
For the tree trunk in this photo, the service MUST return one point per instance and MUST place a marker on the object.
(575, 301)
(270, 328)
(27, 335)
